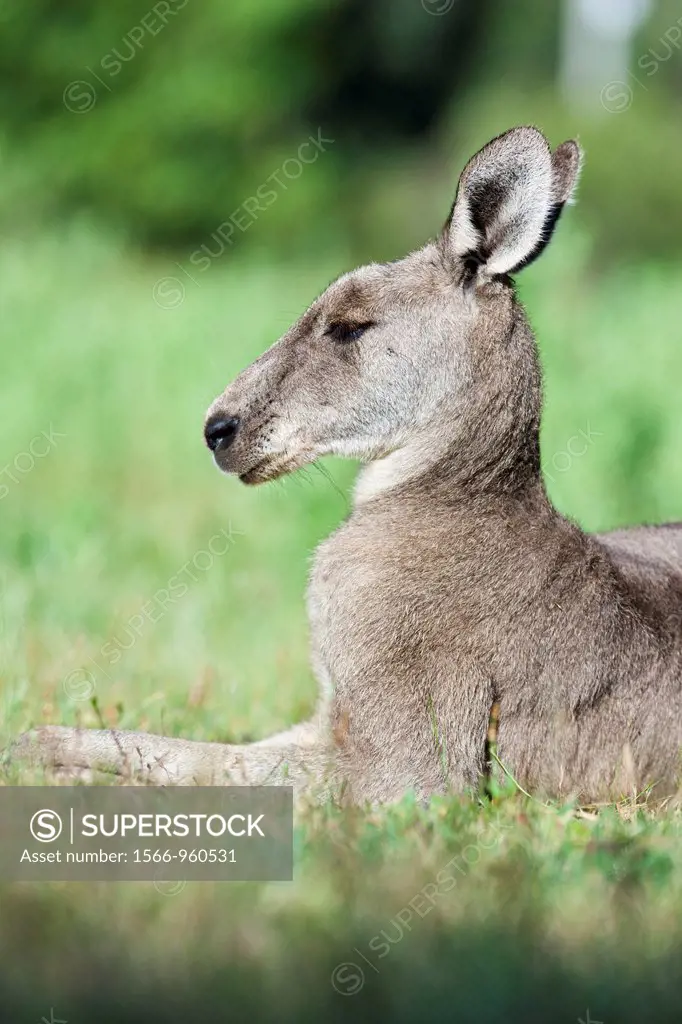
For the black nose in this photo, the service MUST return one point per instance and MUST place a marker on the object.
(220, 432)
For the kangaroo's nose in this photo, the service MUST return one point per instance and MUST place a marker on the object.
(220, 432)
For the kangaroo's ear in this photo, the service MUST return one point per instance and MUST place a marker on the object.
(509, 198)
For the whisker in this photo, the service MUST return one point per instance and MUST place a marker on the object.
(327, 475)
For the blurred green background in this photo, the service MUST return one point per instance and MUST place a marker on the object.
(177, 182)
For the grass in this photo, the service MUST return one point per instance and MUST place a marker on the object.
(549, 913)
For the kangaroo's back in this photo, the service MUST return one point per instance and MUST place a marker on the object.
(652, 547)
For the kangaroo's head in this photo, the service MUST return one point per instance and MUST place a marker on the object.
(408, 361)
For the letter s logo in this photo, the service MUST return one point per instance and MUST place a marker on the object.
(46, 826)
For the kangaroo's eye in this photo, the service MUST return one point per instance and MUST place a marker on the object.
(347, 332)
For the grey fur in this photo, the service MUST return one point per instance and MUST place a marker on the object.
(454, 584)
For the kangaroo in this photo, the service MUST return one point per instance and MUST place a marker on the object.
(454, 585)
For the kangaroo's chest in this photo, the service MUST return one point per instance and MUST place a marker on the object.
(347, 607)
(382, 605)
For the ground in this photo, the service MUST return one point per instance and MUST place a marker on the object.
(142, 589)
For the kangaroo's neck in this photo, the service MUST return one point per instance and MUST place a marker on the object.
(488, 444)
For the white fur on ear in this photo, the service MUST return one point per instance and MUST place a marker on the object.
(508, 200)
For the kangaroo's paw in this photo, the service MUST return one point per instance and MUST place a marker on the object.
(165, 761)
(88, 754)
